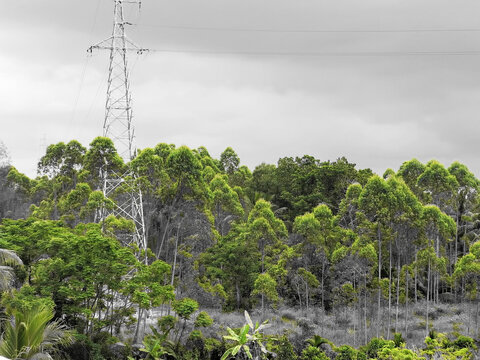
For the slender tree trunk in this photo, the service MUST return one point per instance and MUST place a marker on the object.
(379, 235)
(428, 295)
(354, 320)
(323, 295)
(306, 295)
(476, 316)
(137, 328)
(159, 252)
(389, 290)
(299, 296)
(455, 256)
(398, 293)
(416, 279)
(175, 255)
(365, 308)
(406, 303)
(437, 280)
(263, 305)
(237, 290)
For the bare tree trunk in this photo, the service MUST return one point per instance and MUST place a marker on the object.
(379, 235)
(416, 279)
(476, 316)
(389, 290)
(263, 305)
(175, 255)
(354, 317)
(455, 257)
(137, 328)
(428, 295)
(159, 252)
(406, 303)
(237, 290)
(365, 308)
(306, 295)
(299, 296)
(323, 295)
(398, 293)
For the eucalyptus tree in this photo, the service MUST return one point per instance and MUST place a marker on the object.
(410, 171)
(354, 264)
(438, 186)
(349, 206)
(59, 169)
(438, 229)
(100, 159)
(229, 161)
(391, 207)
(319, 236)
(148, 288)
(265, 232)
(230, 267)
(225, 202)
(266, 287)
(468, 268)
(465, 202)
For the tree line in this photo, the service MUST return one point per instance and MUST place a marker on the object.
(303, 233)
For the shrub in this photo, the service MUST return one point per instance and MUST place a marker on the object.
(313, 353)
(361, 356)
(203, 320)
(398, 340)
(388, 353)
(464, 342)
(346, 352)
(284, 349)
(317, 340)
(373, 347)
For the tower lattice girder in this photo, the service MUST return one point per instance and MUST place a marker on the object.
(118, 125)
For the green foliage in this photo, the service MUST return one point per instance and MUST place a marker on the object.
(344, 295)
(185, 307)
(284, 349)
(346, 352)
(317, 340)
(229, 160)
(25, 300)
(244, 341)
(374, 346)
(32, 332)
(146, 286)
(203, 320)
(166, 323)
(313, 353)
(302, 231)
(440, 345)
(267, 286)
(398, 340)
(157, 345)
(394, 353)
(462, 342)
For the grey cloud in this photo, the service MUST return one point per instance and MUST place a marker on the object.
(377, 111)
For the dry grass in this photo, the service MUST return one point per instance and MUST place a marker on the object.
(342, 326)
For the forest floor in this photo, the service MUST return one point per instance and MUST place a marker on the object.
(347, 326)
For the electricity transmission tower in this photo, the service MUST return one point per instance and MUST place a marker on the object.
(118, 124)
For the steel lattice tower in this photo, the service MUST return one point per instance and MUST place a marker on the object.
(118, 124)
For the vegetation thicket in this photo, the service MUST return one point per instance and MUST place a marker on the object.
(343, 263)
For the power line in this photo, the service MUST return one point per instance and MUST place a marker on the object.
(269, 30)
(323, 54)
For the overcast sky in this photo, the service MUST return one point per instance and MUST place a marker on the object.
(377, 111)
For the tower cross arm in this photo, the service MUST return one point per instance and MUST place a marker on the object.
(108, 44)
